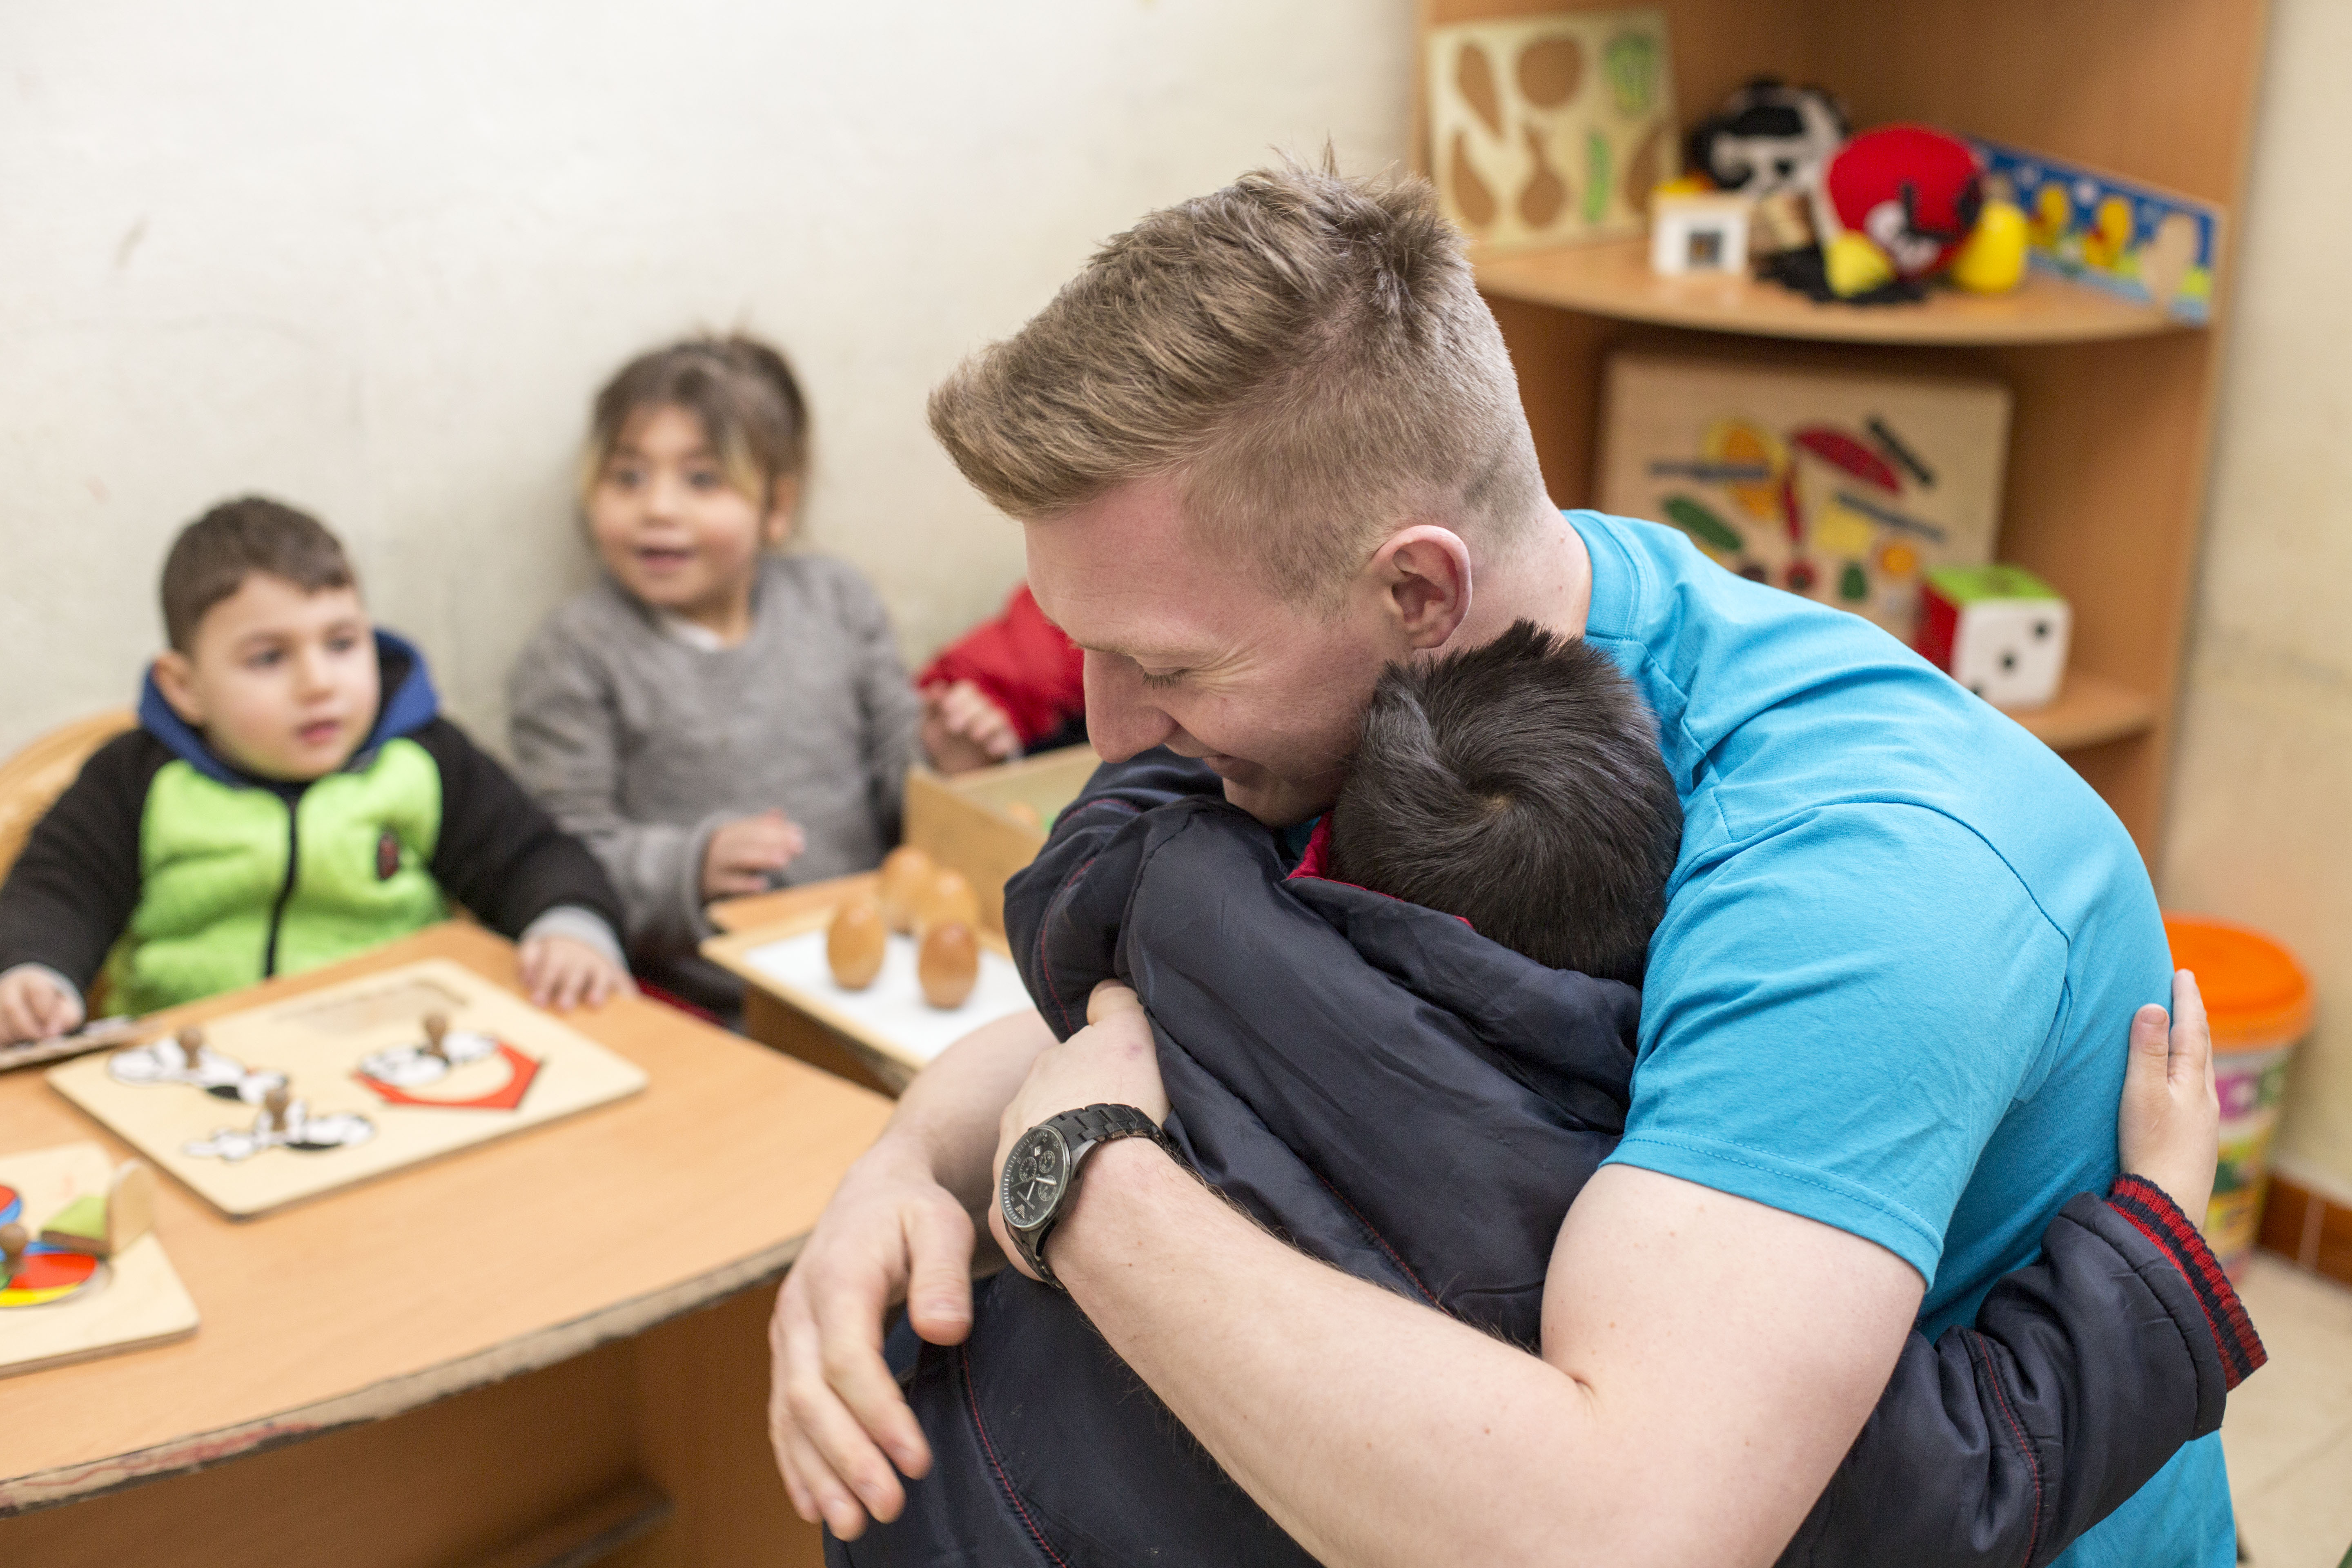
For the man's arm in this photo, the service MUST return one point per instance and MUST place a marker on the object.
(898, 1228)
(1708, 1360)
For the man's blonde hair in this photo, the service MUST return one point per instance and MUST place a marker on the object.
(1307, 353)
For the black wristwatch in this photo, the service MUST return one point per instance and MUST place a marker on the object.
(1042, 1172)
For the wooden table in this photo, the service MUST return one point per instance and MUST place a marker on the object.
(772, 1021)
(505, 1356)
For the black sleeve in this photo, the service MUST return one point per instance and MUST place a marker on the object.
(73, 890)
(2084, 1373)
(500, 855)
(1069, 887)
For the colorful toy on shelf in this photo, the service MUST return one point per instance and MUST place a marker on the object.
(1550, 129)
(1698, 233)
(1912, 192)
(1769, 138)
(1997, 630)
(1992, 262)
(2131, 239)
(1843, 487)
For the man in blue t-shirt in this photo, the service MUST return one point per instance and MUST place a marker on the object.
(1265, 444)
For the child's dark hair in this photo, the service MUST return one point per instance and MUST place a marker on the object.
(215, 554)
(742, 390)
(1518, 785)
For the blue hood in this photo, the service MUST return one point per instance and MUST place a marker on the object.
(408, 704)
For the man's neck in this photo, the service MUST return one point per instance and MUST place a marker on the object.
(1546, 577)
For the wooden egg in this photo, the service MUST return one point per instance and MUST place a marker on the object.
(949, 964)
(907, 871)
(855, 943)
(946, 900)
(1022, 811)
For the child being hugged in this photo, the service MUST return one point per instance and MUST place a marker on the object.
(291, 796)
(711, 718)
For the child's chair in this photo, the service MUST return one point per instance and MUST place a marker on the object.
(35, 776)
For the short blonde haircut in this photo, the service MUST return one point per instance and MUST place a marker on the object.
(1308, 354)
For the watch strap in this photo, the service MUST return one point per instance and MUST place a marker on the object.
(1082, 1130)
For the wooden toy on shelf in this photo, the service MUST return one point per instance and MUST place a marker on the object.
(1693, 232)
(855, 943)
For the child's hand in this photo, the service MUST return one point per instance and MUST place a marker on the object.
(962, 730)
(562, 973)
(743, 856)
(2170, 1128)
(33, 1009)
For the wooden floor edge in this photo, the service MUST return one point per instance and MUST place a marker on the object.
(2309, 1228)
(397, 1396)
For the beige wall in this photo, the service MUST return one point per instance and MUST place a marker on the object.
(2262, 820)
(374, 256)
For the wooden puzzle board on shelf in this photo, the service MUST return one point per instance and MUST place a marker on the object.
(1553, 129)
(362, 1093)
(62, 1306)
(1845, 488)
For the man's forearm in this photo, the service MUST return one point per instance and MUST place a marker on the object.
(1378, 1431)
(947, 1117)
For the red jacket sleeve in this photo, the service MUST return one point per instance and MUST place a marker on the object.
(1023, 663)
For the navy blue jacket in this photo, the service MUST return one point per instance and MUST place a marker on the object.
(1418, 1105)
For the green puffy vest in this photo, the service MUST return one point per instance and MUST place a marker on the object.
(237, 886)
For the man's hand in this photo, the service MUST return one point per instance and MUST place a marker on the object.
(962, 730)
(2169, 1127)
(563, 972)
(836, 1416)
(744, 856)
(33, 1009)
(1111, 1061)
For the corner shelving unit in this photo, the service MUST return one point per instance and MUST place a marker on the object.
(2110, 431)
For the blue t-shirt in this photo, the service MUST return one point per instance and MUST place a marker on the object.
(1902, 949)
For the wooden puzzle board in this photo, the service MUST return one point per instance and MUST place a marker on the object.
(132, 1299)
(510, 1066)
(1845, 488)
(891, 1016)
(1550, 129)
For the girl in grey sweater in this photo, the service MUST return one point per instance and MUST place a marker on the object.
(711, 719)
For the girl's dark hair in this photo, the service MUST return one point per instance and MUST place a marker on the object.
(215, 554)
(742, 390)
(1520, 787)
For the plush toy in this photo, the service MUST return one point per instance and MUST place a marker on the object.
(1767, 138)
(1912, 192)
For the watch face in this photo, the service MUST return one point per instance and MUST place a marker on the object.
(1033, 1174)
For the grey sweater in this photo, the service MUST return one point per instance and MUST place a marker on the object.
(641, 744)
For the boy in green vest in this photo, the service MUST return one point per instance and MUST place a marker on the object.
(290, 797)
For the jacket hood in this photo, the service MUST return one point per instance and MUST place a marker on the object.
(408, 704)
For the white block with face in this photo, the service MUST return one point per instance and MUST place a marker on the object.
(2012, 652)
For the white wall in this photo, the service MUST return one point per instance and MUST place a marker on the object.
(2262, 820)
(373, 258)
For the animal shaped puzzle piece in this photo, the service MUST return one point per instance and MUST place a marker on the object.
(463, 1065)
(185, 1058)
(285, 1122)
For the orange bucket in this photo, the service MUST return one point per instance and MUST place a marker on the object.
(2259, 1001)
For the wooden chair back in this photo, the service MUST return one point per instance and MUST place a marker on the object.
(34, 778)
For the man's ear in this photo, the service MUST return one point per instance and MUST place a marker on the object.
(1424, 572)
(783, 505)
(175, 677)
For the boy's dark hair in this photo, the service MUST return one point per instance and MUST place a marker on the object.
(1518, 785)
(215, 554)
(742, 390)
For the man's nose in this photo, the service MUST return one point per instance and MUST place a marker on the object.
(1120, 723)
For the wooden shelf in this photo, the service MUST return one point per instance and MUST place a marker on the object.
(2091, 709)
(1613, 279)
